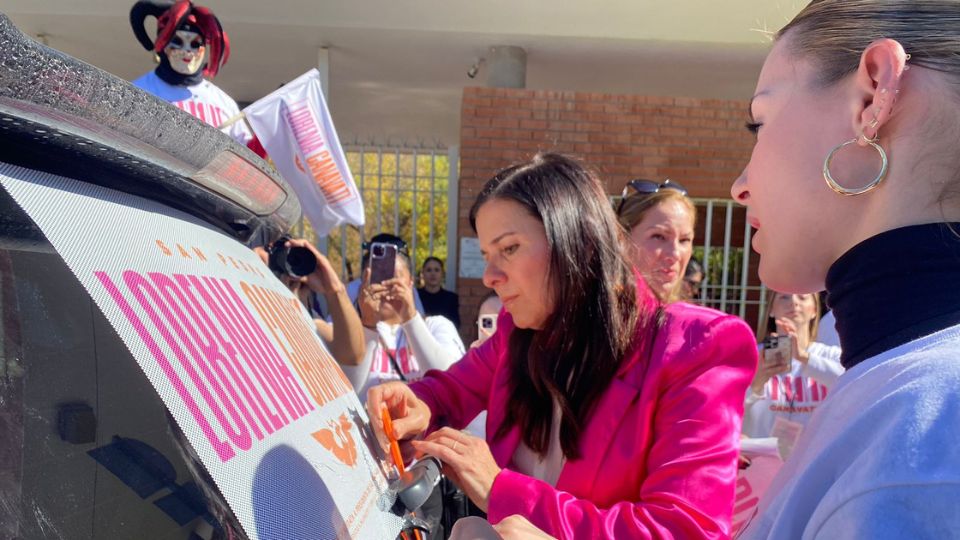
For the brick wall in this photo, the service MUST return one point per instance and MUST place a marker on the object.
(700, 143)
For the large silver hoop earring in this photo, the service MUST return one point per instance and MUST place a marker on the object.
(867, 188)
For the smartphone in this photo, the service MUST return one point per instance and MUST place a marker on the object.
(776, 350)
(383, 262)
(488, 324)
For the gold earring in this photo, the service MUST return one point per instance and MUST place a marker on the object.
(156, 58)
(884, 165)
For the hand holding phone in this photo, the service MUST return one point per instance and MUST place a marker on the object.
(487, 324)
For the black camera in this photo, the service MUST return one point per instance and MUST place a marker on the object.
(293, 261)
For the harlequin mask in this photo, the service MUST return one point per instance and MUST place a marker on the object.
(185, 52)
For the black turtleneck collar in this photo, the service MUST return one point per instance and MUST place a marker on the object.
(169, 76)
(895, 287)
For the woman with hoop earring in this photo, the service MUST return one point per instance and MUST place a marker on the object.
(852, 186)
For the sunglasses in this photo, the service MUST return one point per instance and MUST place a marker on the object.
(648, 187)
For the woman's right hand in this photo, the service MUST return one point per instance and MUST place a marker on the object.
(411, 416)
(369, 302)
(765, 373)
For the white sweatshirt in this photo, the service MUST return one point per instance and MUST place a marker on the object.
(881, 458)
(794, 395)
(417, 345)
(203, 100)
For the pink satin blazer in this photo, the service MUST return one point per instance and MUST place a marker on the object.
(659, 453)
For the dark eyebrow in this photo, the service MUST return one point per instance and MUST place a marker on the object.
(497, 239)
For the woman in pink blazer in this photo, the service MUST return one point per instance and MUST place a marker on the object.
(609, 415)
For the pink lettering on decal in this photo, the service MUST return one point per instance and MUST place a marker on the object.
(211, 344)
(292, 396)
(270, 420)
(222, 448)
(185, 328)
(261, 350)
(259, 297)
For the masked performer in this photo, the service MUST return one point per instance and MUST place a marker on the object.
(191, 46)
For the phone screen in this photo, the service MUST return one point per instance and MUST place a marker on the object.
(383, 262)
(776, 351)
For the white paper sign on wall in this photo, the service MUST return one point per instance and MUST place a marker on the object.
(472, 264)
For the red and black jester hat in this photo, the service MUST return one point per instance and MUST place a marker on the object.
(173, 15)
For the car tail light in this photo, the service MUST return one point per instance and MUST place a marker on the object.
(239, 180)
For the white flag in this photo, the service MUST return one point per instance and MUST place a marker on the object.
(294, 126)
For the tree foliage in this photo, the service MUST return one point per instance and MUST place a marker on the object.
(404, 193)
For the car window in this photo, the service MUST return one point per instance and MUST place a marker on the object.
(86, 449)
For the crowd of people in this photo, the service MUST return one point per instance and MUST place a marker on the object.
(599, 401)
(529, 418)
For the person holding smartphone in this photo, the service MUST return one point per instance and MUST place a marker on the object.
(401, 344)
(795, 373)
(487, 318)
(609, 413)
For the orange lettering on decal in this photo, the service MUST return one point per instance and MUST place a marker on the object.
(319, 372)
(163, 248)
(255, 295)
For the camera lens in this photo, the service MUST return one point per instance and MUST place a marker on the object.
(300, 262)
(378, 250)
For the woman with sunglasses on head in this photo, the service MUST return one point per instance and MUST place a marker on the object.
(609, 415)
(852, 186)
(660, 220)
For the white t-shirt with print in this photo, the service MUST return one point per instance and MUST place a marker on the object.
(793, 395)
(417, 345)
(203, 100)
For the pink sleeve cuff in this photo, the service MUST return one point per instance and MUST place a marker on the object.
(512, 493)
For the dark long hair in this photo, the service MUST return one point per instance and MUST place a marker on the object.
(598, 305)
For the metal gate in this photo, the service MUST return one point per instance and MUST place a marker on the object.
(722, 244)
(408, 191)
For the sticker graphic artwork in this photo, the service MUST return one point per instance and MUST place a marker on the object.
(230, 351)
